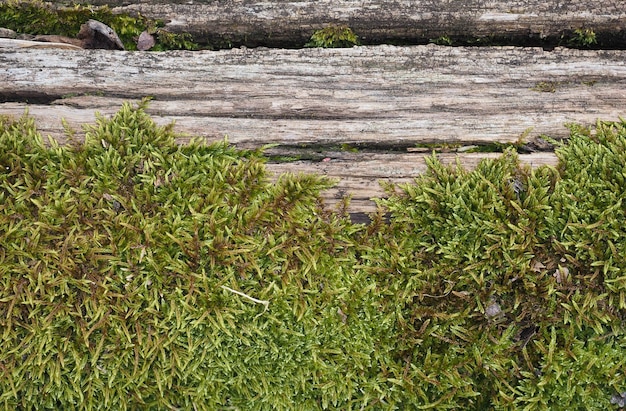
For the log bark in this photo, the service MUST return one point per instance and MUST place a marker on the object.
(289, 23)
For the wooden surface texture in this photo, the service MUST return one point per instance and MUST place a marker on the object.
(378, 101)
(285, 23)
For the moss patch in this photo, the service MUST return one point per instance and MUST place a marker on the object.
(334, 37)
(140, 274)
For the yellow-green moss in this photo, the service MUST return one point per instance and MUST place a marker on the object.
(136, 273)
(333, 37)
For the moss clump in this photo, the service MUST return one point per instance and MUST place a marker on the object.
(507, 283)
(583, 38)
(37, 17)
(139, 274)
(334, 37)
(442, 41)
(136, 273)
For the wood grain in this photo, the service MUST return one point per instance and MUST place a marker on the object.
(289, 23)
(359, 175)
(372, 98)
(381, 95)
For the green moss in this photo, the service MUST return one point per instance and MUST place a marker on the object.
(583, 38)
(333, 37)
(439, 147)
(283, 159)
(136, 273)
(442, 41)
(506, 277)
(37, 17)
(171, 41)
(494, 147)
(546, 86)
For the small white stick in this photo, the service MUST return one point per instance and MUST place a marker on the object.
(264, 302)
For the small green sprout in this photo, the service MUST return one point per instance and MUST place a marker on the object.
(583, 38)
(334, 37)
(442, 41)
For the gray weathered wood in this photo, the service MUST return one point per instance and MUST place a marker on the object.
(375, 96)
(17, 43)
(279, 23)
(370, 97)
(359, 175)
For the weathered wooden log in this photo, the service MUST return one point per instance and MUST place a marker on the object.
(368, 96)
(372, 98)
(359, 174)
(289, 23)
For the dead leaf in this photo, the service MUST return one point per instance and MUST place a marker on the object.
(342, 315)
(537, 266)
(561, 274)
(493, 310)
